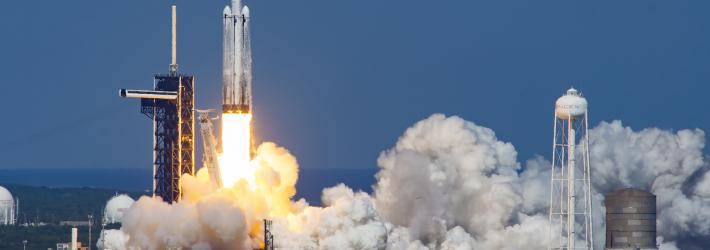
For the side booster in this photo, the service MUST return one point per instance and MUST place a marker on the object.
(236, 68)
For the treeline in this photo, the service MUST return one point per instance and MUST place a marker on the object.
(52, 205)
(43, 208)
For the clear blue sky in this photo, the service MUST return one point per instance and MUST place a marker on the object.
(336, 82)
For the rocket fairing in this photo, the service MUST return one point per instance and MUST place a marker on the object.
(236, 65)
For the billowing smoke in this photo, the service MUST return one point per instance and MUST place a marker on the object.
(446, 184)
(212, 218)
(112, 239)
(348, 221)
(669, 164)
(448, 180)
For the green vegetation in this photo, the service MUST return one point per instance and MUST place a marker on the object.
(50, 206)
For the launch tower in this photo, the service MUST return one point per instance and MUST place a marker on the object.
(209, 143)
(170, 105)
(570, 187)
(268, 236)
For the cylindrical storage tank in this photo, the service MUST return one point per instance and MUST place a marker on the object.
(630, 219)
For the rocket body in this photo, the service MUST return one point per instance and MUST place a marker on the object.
(236, 67)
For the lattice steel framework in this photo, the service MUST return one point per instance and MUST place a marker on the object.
(268, 236)
(570, 214)
(173, 142)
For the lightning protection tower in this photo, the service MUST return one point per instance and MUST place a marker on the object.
(570, 216)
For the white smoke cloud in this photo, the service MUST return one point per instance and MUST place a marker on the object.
(348, 221)
(534, 185)
(442, 164)
(211, 218)
(153, 224)
(663, 162)
(112, 239)
(445, 173)
(662, 245)
(446, 184)
(651, 159)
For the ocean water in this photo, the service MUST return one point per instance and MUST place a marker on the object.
(310, 184)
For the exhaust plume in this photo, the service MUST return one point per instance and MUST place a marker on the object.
(669, 164)
(446, 184)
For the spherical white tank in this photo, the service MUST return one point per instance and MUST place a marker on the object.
(5, 195)
(570, 105)
(7, 204)
(116, 207)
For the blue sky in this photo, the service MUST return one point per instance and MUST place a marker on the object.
(336, 82)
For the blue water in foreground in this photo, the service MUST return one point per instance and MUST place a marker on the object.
(310, 183)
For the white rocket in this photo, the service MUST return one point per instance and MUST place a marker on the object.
(236, 68)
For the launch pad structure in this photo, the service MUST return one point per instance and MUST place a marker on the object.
(173, 125)
(170, 105)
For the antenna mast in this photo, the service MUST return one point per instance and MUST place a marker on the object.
(173, 62)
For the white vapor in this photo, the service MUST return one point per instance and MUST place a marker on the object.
(450, 181)
(662, 162)
(112, 239)
(446, 184)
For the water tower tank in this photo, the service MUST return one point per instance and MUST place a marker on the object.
(116, 207)
(571, 104)
(630, 220)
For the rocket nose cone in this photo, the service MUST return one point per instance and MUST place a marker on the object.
(227, 10)
(245, 11)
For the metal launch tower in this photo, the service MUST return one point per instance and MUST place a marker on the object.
(570, 216)
(170, 105)
(268, 236)
(209, 143)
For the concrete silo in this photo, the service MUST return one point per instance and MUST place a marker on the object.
(630, 220)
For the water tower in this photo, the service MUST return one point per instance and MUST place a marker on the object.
(570, 186)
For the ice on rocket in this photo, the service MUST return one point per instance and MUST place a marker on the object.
(236, 67)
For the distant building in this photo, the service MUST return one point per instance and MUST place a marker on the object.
(67, 246)
(74, 244)
(630, 220)
(75, 223)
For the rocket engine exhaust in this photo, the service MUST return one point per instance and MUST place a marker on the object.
(235, 160)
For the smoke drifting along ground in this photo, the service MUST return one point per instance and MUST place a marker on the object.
(669, 164)
(449, 182)
(446, 184)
